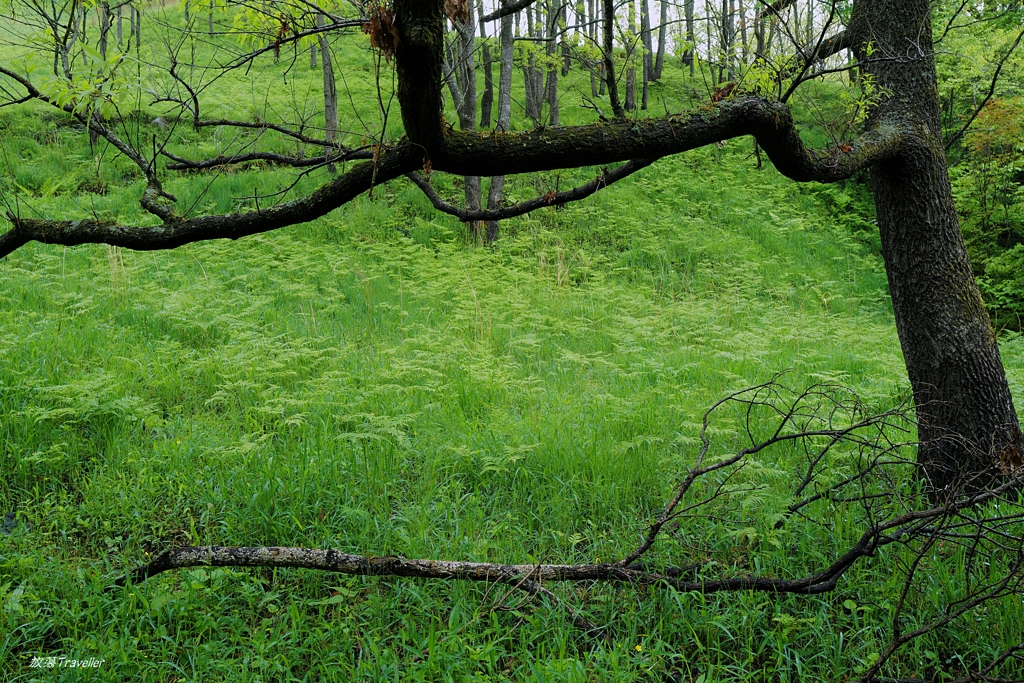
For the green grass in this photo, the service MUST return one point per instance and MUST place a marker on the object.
(344, 384)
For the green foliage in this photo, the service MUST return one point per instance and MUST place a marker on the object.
(989, 187)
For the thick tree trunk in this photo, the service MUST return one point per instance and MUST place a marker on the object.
(967, 425)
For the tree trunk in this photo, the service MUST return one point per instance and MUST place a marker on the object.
(104, 16)
(689, 57)
(487, 99)
(648, 48)
(533, 77)
(494, 195)
(561, 27)
(744, 38)
(630, 103)
(120, 26)
(330, 90)
(729, 36)
(967, 425)
(659, 62)
(648, 43)
(551, 83)
(467, 114)
(608, 50)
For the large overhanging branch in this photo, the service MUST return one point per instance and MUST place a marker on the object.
(508, 8)
(595, 145)
(175, 232)
(470, 154)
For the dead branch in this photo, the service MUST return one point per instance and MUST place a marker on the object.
(604, 179)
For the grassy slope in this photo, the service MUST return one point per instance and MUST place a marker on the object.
(342, 384)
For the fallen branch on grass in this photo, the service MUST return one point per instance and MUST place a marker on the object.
(822, 421)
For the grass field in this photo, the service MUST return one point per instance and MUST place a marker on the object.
(377, 383)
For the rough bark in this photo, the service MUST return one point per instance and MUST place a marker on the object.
(966, 419)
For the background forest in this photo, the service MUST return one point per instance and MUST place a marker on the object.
(388, 380)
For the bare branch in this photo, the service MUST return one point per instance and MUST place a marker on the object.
(953, 139)
(183, 164)
(175, 231)
(604, 179)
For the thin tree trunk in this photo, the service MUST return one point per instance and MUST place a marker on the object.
(630, 65)
(494, 195)
(330, 90)
(645, 37)
(104, 17)
(533, 77)
(137, 29)
(630, 103)
(608, 48)
(759, 53)
(561, 28)
(729, 33)
(659, 63)
(487, 99)
(648, 48)
(689, 57)
(84, 35)
(120, 26)
(551, 83)
(467, 112)
(744, 42)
